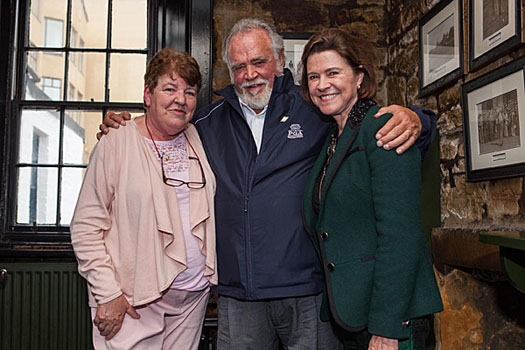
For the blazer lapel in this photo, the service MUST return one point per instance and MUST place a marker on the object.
(344, 145)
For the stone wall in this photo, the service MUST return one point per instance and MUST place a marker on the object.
(483, 205)
(479, 314)
(479, 311)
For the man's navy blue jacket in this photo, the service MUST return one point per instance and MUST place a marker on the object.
(263, 250)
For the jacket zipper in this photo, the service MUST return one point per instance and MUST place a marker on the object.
(249, 184)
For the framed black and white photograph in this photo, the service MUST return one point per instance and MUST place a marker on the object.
(495, 27)
(440, 47)
(494, 123)
(293, 50)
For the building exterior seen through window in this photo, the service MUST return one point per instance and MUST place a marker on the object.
(75, 70)
(54, 32)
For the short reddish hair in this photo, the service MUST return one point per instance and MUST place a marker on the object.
(167, 61)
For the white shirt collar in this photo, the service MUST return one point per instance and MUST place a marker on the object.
(255, 122)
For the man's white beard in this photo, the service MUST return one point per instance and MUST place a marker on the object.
(252, 100)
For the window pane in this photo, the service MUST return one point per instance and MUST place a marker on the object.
(90, 81)
(90, 19)
(126, 77)
(80, 135)
(37, 195)
(71, 183)
(39, 130)
(45, 82)
(129, 24)
(47, 28)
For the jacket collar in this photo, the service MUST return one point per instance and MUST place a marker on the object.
(363, 108)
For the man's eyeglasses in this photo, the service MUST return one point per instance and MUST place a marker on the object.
(176, 182)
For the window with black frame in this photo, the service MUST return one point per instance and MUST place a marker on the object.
(81, 59)
(63, 65)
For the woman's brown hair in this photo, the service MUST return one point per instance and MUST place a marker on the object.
(359, 54)
(167, 61)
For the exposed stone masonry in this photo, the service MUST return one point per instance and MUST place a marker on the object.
(478, 312)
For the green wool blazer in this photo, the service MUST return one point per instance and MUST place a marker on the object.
(369, 235)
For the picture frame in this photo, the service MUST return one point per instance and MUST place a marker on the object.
(293, 50)
(495, 27)
(494, 123)
(440, 46)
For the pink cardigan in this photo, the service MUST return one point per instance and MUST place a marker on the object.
(126, 230)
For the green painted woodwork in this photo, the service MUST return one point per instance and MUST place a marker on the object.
(509, 239)
(512, 254)
(43, 306)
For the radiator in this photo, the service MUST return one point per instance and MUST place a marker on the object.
(44, 306)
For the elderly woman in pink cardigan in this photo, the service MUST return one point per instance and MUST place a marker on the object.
(143, 229)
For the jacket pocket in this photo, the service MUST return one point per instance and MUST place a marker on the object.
(352, 284)
(354, 150)
(368, 258)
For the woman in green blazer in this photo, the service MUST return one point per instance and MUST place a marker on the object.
(362, 204)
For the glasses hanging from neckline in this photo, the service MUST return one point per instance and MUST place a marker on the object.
(177, 182)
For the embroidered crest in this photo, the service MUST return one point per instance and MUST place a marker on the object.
(295, 132)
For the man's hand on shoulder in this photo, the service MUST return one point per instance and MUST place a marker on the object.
(401, 130)
(112, 120)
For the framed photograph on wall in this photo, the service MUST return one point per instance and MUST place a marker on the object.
(494, 123)
(293, 50)
(440, 46)
(495, 27)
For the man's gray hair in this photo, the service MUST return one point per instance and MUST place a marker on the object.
(247, 24)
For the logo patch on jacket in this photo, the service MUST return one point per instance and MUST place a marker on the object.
(295, 132)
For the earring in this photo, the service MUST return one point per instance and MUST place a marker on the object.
(358, 86)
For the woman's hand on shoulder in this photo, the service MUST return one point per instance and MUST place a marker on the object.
(109, 316)
(400, 131)
(381, 343)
